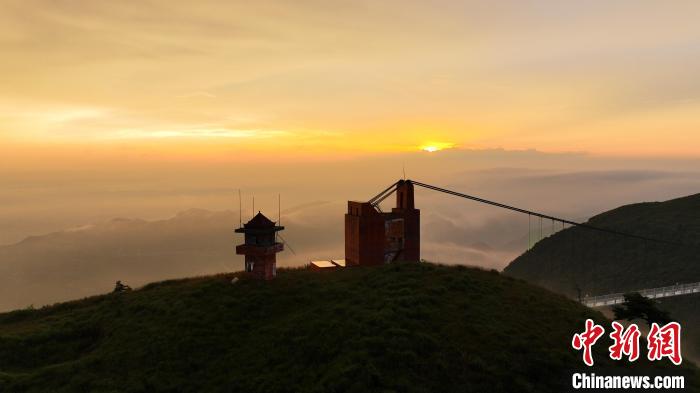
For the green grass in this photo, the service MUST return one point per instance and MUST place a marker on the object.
(394, 328)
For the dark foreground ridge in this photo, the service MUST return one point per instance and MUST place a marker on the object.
(399, 327)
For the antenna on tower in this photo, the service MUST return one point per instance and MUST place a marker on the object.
(253, 205)
(279, 213)
(403, 167)
(240, 210)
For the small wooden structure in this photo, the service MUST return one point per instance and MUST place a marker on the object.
(327, 264)
(260, 247)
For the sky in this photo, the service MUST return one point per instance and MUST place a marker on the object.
(148, 108)
(309, 80)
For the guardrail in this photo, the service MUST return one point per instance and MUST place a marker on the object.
(653, 293)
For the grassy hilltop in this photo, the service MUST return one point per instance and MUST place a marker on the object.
(394, 328)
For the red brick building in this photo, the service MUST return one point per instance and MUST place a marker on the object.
(260, 247)
(373, 237)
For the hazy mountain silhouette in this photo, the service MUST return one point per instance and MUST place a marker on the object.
(87, 260)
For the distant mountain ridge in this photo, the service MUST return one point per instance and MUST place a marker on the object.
(88, 259)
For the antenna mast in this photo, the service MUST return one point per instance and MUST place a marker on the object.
(279, 209)
(240, 210)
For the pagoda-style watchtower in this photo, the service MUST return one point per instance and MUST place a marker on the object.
(260, 247)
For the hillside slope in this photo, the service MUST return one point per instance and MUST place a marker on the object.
(600, 263)
(401, 327)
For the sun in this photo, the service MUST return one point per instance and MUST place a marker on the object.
(436, 146)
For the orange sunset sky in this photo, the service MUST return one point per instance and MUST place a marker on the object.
(241, 79)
